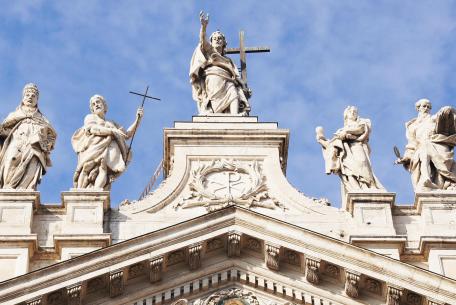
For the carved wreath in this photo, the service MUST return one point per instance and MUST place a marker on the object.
(254, 196)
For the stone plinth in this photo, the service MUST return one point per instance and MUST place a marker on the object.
(438, 212)
(16, 211)
(84, 211)
(223, 135)
(17, 243)
(374, 222)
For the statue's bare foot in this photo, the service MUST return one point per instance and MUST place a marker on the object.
(429, 184)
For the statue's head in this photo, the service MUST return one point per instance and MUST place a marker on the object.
(30, 95)
(350, 113)
(423, 105)
(98, 104)
(218, 41)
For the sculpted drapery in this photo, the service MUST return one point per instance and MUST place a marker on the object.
(347, 153)
(101, 148)
(429, 154)
(216, 84)
(26, 139)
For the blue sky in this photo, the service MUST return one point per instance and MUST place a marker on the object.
(378, 55)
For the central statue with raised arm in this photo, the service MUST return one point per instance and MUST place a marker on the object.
(216, 84)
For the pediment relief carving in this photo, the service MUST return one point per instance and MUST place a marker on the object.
(220, 183)
(232, 296)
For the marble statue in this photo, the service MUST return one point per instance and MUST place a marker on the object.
(26, 141)
(347, 153)
(216, 84)
(101, 147)
(429, 154)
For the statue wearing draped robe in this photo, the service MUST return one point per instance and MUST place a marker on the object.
(429, 154)
(101, 147)
(26, 141)
(216, 84)
(347, 154)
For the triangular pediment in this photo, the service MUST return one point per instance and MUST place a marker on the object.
(227, 248)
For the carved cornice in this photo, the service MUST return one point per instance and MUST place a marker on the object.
(163, 242)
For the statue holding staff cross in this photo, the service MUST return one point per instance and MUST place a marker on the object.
(101, 146)
(217, 86)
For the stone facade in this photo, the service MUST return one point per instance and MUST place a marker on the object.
(226, 225)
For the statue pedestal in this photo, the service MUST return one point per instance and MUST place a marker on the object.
(17, 243)
(16, 211)
(437, 210)
(372, 212)
(84, 211)
(82, 230)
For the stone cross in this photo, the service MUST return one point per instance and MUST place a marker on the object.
(242, 50)
(142, 105)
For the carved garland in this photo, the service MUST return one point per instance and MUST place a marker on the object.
(254, 196)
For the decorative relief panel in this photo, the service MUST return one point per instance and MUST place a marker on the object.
(135, 270)
(332, 271)
(217, 184)
(253, 244)
(292, 257)
(214, 244)
(373, 286)
(413, 299)
(176, 257)
(56, 298)
(233, 296)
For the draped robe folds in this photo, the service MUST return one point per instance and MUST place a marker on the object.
(92, 149)
(214, 80)
(350, 159)
(26, 140)
(431, 142)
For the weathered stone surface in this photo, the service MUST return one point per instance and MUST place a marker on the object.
(429, 154)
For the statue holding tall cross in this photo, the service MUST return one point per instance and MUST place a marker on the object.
(217, 86)
(103, 153)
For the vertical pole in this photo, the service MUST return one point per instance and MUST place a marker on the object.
(243, 57)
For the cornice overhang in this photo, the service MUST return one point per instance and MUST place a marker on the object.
(314, 247)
